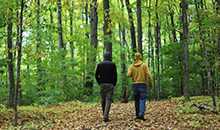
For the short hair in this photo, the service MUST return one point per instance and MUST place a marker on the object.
(138, 56)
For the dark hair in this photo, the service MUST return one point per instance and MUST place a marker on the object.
(107, 56)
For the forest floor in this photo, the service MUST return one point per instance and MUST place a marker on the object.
(172, 114)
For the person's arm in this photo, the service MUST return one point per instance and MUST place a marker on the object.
(129, 74)
(148, 76)
(97, 74)
(115, 75)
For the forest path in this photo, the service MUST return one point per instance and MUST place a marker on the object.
(160, 115)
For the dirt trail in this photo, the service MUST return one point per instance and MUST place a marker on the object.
(161, 115)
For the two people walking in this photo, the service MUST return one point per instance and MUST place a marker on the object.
(106, 76)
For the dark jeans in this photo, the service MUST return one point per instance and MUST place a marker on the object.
(140, 97)
(106, 98)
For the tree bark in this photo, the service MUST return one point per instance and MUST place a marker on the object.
(185, 40)
(60, 28)
(71, 33)
(173, 25)
(107, 27)
(132, 28)
(158, 46)
(10, 64)
(150, 46)
(38, 47)
(139, 26)
(18, 72)
(93, 45)
(51, 30)
(122, 35)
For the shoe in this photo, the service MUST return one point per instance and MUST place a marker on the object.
(140, 118)
(106, 120)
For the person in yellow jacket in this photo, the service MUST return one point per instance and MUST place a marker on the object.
(141, 80)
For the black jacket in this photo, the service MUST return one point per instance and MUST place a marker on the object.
(106, 72)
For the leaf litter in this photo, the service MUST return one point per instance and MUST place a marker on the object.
(160, 115)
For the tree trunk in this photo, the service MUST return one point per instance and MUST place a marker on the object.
(10, 64)
(158, 45)
(51, 30)
(173, 25)
(123, 42)
(18, 72)
(185, 40)
(61, 46)
(107, 27)
(150, 46)
(87, 16)
(71, 33)
(132, 28)
(38, 47)
(139, 26)
(60, 28)
(93, 45)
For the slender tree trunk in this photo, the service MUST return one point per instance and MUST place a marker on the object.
(10, 64)
(139, 26)
(158, 45)
(87, 16)
(123, 42)
(88, 83)
(38, 46)
(132, 28)
(218, 44)
(18, 72)
(60, 28)
(150, 46)
(107, 27)
(61, 46)
(51, 30)
(93, 45)
(71, 33)
(152, 49)
(185, 40)
(173, 25)
(93, 25)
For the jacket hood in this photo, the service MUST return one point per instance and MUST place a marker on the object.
(138, 63)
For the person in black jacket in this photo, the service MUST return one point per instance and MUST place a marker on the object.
(106, 76)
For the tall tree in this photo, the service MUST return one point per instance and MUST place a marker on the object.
(18, 70)
(38, 45)
(93, 43)
(149, 33)
(185, 48)
(10, 64)
(151, 50)
(218, 13)
(107, 27)
(132, 28)
(173, 26)
(122, 36)
(158, 46)
(139, 26)
(71, 31)
(60, 28)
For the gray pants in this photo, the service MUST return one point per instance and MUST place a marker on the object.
(106, 98)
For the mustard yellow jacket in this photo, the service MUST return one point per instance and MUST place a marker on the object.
(139, 72)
